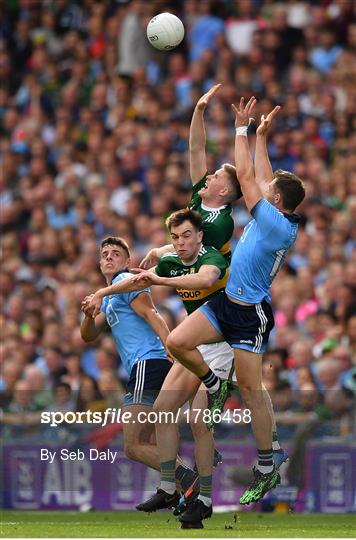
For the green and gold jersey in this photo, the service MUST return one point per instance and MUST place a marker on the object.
(170, 265)
(218, 225)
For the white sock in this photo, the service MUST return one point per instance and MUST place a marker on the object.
(214, 388)
(168, 487)
(276, 445)
(265, 469)
(205, 500)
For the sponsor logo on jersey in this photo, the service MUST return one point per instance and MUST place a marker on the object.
(189, 294)
(248, 341)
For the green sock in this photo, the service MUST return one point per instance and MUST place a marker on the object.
(168, 476)
(205, 489)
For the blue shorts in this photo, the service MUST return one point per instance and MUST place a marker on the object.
(146, 380)
(243, 327)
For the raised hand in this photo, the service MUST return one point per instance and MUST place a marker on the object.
(267, 121)
(205, 99)
(150, 260)
(243, 112)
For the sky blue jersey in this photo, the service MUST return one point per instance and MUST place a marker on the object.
(260, 252)
(134, 337)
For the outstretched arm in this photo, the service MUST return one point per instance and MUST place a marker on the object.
(243, 161)
(204, 279)
(123, 286)
(197, 137)
(263, 167)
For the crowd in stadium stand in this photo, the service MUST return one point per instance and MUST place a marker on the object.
(94, 142)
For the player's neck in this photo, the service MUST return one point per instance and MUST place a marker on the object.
(193, 258)
(109, 278)
(211, 203)
(283, 210)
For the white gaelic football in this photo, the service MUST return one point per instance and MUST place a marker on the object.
(165, 31)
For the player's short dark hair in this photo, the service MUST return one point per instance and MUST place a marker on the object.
(234, 185)
(178, 217)
(290, 187)
(115, 241)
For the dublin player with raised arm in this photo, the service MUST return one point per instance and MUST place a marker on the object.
(242, 314)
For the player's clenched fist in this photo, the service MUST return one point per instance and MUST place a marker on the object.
(86, 307)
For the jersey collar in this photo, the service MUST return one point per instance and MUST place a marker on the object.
(208, 209)
(192, 262)
(294, 218)
(118, 273)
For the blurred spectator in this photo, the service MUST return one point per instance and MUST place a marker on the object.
(63, 399)
(204, 31)
(89, 396)
(42, 396)
(323, 56)
(73, 371)
(240, 28)
(21, 417)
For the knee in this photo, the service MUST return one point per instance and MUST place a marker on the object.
(251, 392)
(174, 342)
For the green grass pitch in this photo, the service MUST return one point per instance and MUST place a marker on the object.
(45, 524)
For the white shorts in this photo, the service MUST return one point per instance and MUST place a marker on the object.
(220, 359)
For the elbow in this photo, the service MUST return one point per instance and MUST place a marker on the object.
(207, 282)
(86, 338)
(147, 315)
(244, 177)
(244, 171)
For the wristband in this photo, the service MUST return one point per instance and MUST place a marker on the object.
(242, 130)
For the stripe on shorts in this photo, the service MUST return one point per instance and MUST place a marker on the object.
(262, 328)
(140, 381)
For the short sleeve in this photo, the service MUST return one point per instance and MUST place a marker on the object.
(129, 297)
(267, 216)
(162, 268)
(159, 270)
(216, 259)
(104, 305)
